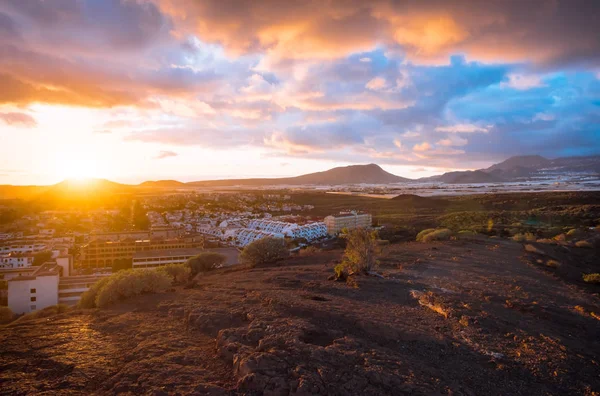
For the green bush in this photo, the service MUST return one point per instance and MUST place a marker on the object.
(205, 262)
(592, 278)
(264, 251)
(130, 283)
(6, 315)
(177, 272)
(434, 235)
(88, 298)
(361, 251)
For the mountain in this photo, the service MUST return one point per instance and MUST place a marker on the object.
(90, 192)
(162, 184)
(466, 177)
(353, 174)
(523, 168)
(523, 161)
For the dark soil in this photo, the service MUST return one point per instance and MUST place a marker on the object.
(456, 318)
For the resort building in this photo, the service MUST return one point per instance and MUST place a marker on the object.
(309, 231)
(100, 253)
(70, 288)
(158, 232)
(351, 220)
(157, 258)
(22, 247)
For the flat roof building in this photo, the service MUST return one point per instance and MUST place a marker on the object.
(352, 220)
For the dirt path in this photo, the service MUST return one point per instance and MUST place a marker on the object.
(460, 318)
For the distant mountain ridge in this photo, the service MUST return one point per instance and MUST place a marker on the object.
(522, 167)
(353, 174)
(512, 169)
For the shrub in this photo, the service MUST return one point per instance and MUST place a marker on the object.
(361, 250)
(592, 278)
(528, 236)
(44, 313)
(532, 249)
(88, 298)
(575, 234)
(205, 262)
(177, 272)
(422, 234)
(466, 234)
(309, 251)
(547, 241)
(129, 283)
(552, 264)
(583, 244)
(436, 235)
(6, 315)
(264, 251)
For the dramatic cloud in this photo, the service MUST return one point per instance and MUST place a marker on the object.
(429, 83)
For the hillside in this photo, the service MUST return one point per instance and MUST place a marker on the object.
(162, 184)
(353, 174)
(455, 318)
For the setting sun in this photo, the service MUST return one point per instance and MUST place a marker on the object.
(78, 166)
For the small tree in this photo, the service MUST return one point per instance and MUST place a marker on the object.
(361, 251)
(205, 262)
(264, 251)
(178, 272)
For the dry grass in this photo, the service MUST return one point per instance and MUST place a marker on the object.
(431, 235)
(532, 249)
(592, 278)
(584, 244)
(428, 300)
(552, 264)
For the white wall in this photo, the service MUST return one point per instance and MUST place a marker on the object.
(19, 293)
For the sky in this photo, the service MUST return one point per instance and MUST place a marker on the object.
(134, 90)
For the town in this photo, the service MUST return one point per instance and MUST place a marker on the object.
(54, 256)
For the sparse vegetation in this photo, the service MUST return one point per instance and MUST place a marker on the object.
(205, 262)
(309, 251)
(264, 251)
(532, 249)
(123, 285)
(178, 272)
(431, 235)
(552, 264)
(584, 244)
(6, 315)
(592, 278)
(528, 236)
(361, 251)
(44, 313)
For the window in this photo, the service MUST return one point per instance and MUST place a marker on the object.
(32, 291)
(32, 299)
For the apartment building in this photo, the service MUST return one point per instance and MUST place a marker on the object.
(102, 253)
(350, 220)
(157, 258)
(309, 231)
(34, 291)
(12, 260)
(22, 247)
(158, 232)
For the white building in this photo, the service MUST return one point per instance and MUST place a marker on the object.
(245, 236)
(70, 288)
(35, 291)
(351, 220)
(157, 258)
(309, 231)
(15, 261)
(22, 247)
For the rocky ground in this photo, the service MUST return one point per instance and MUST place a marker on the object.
(456, 318)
